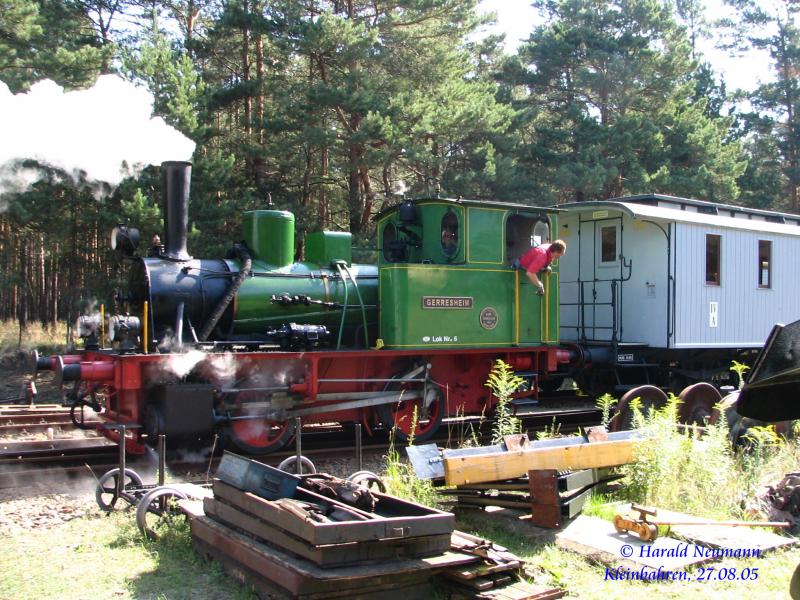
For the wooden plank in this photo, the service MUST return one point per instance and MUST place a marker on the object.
(522, 503)
(517, 590)
(482, 570)
(299, 576)
(328, 555)
(465, 470)
(269, 590)
(597, 540)
(509, 486)
(191, 508)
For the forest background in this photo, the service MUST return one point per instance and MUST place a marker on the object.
(333, 108)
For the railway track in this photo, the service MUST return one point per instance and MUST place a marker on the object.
(16, 420)
(68, 458)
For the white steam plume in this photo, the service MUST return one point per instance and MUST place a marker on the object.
(181, 364)
(104, 131)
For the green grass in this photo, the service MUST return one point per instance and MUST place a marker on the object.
(549, 565)
(704, 475)
(34, 336)
(106, 557)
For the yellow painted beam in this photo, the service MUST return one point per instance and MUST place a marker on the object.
(497, 466)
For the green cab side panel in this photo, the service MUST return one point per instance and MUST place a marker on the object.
(442, 306)
(431, 217)
(486, 235)
(437, 306)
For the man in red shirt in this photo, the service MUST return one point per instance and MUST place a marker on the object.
(538, 259)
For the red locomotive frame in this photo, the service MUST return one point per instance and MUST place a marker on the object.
(366, 386)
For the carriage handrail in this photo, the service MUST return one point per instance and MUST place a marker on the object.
(589, 331)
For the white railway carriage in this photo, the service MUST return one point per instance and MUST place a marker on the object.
(672, 282)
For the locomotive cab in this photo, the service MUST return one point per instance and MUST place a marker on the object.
(446, 275)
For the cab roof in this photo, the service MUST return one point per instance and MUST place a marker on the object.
(476, 203)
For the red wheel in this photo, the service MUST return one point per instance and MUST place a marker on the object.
(247, 431)
(697, 404)
(649, 396)
(260, 436)
(400, 415)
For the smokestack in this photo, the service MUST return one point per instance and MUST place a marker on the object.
(177, 180)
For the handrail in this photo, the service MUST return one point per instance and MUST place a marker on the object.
(344, 306)
(360, 302)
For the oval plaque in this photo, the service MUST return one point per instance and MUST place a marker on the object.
(488, 318)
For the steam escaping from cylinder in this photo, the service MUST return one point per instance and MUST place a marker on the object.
(223, 368)
(105, 133)
(181, 364)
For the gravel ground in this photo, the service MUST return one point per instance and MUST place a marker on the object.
(46, 504)
(45, 511)
(15, 372)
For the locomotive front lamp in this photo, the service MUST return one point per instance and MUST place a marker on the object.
(124, 239)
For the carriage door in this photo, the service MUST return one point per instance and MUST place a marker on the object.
(601, 289)
(523, 232)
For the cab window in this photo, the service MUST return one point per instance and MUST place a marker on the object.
(394, 249)
(523, 233)
(449, 234)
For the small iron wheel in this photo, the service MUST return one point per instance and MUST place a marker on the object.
(106, 491)
(617, 520)
(367, 479)
(289, 465)
(648, 532)
(77, 413)
(159, 504)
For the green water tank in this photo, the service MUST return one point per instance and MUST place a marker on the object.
(269, 234)
(325, 247)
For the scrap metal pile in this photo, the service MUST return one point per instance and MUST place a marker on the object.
(318, 536)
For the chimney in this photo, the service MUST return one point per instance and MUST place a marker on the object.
(177, 180)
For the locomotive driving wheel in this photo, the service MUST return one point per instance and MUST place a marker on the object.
(247, 431)
(419, 417)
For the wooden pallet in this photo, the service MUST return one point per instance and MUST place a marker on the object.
(283, 575)
(236, 516)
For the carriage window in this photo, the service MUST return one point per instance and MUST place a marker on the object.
(449, 234)
(713, 262)
(608, 244)
(764, 264)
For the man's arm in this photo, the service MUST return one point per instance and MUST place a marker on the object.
(535, 281)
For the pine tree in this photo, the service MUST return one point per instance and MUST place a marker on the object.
(774, 29)
(610, 105)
